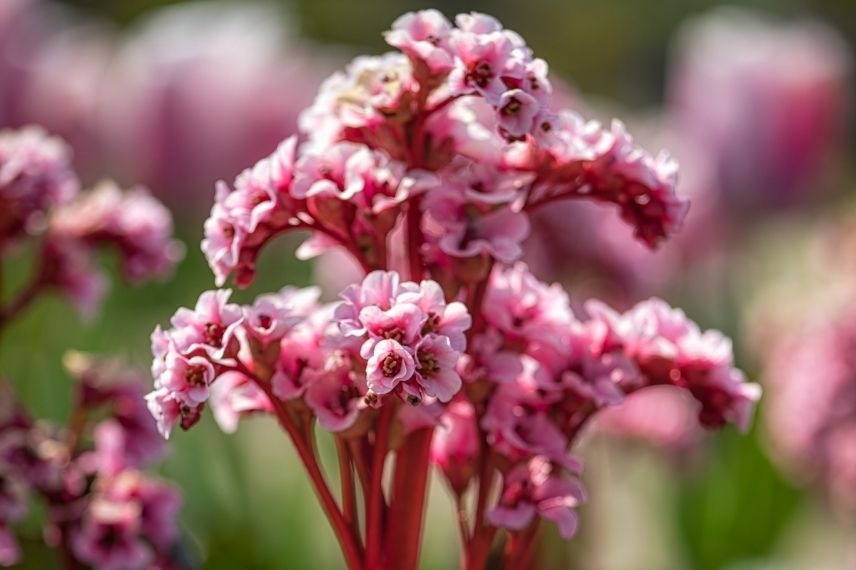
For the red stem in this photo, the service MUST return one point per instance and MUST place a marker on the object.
(346, 479)
(407, 508)
(374, 510)
(348, 540)
(21, 301)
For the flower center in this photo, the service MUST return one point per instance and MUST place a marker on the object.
(428, 364)
(391, 365)
(195, 375)
(511, 108)
(214, 334)
(394, 333)
(265, 321)
(481, 74)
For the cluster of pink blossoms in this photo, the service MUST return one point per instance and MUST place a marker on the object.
(101, 511)
(39, 200)
(427, 164)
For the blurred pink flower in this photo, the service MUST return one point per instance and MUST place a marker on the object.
(767, 101)
(810, 415)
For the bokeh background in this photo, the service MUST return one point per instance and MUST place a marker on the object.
(754, 98)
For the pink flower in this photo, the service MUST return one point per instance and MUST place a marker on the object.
(136, 223)
(233, 396)
(378, 288)
(483, 53)
(461, 228)
(209, 327)
(243, 219)
(534, 488)
(271, 317)
(424, 37)
(450, 320)
(187, 379)
(517, 112)
(10, 550)
(435, 367)
(402, 322)
(518, 425)
(35, 175)
(166, 411)
(359, 104)
(581, 159)
(109, 536)
(334, 397)
(389, 365)
(159, 504)
(765, 99)
(301, 352)
(525, 310)
(455, 445)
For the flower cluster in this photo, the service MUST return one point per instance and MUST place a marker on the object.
(35, 176)
(101, 510)
(811, 413)
(396, 127)
(426, 165)
(540, 373)
(40, 200)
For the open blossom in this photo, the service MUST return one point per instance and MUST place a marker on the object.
(537, 489)
(35, 175)
(400, 328)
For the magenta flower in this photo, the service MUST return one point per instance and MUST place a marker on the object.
(389, 365)
(534, 488)
(272, 316)
(10, 550)
(209, 327)
(187, 379)
(423, 36)
(334, 397)
(35, 175)
(134, 222)
(435, 367)
(234, 396)
(109, 537)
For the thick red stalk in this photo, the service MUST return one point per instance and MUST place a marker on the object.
(346, 478)
(374, 508)
(407, 507)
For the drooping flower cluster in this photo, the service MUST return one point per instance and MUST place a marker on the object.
(40, 200)
(35, 176)
(426, 165)
(100, 509)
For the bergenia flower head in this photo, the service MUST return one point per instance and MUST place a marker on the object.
(425, 167)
